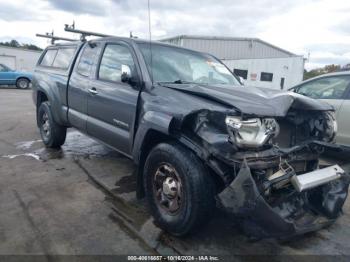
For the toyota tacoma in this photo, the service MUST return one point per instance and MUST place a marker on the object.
(198, 137)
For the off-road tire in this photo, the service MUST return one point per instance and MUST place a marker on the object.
(57, 133)
(198, 189)
(22, 83)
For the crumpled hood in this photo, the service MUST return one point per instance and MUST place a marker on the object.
(252, 100)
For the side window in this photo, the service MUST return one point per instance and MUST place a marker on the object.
(2, 68)
(266, 77)
(240, 72)
(86, 60)
(64, 57)
(114, 57)
(325, 88)
(48, 57)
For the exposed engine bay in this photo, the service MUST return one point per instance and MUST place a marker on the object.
(269, 168)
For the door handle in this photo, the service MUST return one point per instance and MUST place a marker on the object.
(93, 91)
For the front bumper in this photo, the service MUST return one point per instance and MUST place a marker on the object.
(291, 213)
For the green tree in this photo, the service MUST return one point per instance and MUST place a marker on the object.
(15, 43)
(320, 71)
(331, 68)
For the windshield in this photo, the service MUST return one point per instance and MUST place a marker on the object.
(4, 68)
(180, 66)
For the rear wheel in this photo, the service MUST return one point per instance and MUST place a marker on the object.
(22, 83)
(179, 190)
(52, 134)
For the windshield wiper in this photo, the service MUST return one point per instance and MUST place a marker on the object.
(179, 81)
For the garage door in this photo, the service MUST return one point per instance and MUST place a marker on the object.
(9, 61)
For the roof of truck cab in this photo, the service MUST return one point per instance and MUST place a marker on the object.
(144, 41)
(136, 40)
(126, 39)
(111, 38)
(75, 43)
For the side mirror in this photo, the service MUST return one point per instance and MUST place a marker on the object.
(126, 74)
(293, 89)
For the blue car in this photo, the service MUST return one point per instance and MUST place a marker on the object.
(10, 77)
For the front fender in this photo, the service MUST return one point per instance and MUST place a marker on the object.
(151, 120)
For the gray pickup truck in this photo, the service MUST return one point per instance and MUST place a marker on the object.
(199, 138)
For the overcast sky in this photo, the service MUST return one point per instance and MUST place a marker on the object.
(318, 27)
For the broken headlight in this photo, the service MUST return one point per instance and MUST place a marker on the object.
(326, 126)
(253, 132)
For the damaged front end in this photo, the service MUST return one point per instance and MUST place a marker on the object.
(269, 168)
(284, 211)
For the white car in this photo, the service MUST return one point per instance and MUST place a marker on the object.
(334, 88)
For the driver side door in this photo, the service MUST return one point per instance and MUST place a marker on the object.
(112, 102)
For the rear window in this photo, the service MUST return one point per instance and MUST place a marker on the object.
(49, 57)
(63, 58)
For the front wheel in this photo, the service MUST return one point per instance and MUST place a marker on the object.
(179, 190)
(52, 134)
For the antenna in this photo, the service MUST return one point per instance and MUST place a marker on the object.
(150, 38)
(83, 33)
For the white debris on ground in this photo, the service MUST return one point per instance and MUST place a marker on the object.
(25, 154)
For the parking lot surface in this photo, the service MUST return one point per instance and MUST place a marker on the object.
(81, 200)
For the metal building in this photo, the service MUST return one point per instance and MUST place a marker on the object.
(260, 64)
(19, 59)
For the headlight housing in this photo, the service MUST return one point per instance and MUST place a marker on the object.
(251, 133)
(327, 126)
